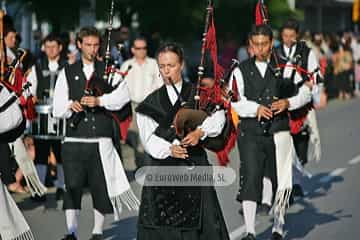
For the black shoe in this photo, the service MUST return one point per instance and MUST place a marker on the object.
(249, 236)
(297, 191)
(263, 209)
(59, 195)
(276, 236)
(96, 237)
(69, 237)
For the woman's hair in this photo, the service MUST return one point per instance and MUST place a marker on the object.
(171, 47)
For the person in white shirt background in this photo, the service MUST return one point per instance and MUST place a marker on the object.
(142, 79)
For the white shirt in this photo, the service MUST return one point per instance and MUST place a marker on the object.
(110, 101)
(248, 109)
(10, 54)
(160, 148)
(142, 79)
(12, 116)
(32, 77)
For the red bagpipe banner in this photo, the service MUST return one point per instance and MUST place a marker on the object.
(215, 93)
(18, 80)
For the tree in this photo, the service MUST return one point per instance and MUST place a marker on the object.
(179, 19)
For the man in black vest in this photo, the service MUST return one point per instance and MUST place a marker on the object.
(296, 53)
(43, 77)
(83, 97)
(265, 142)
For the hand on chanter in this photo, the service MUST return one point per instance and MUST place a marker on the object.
(192, 138)
(264, 112)
(178, 151)
(76, 106)
(90, 101)
(280, 106)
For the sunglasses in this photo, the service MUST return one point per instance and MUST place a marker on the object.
(140, 48)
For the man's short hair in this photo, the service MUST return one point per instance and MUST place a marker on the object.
(86, 32)
(8, 30)
(52, 38)
(291, 24)
(262, 29)
(139, 38)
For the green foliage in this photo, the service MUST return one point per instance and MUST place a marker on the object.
(177, 19)
(279, 12)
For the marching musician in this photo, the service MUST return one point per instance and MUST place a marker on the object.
(265, 142)
(173, 212)
(12, 223)
(294, 53)
(88, 102)
(8, 166)
(43, 77)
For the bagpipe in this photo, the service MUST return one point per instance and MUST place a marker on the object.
(208, 100)
(13, 77)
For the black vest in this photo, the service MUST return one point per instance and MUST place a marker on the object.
(43, 76)
(264, 91)
(96, 122)
(302, 52)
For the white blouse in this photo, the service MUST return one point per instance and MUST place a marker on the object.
(158, 147)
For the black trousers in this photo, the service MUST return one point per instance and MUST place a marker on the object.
(43, 148)
(301, 143)
(7, 165)
(82, 168)
(257, 160)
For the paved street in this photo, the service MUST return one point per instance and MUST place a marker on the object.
(329, 210)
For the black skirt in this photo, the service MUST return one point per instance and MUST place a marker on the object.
(212, 224)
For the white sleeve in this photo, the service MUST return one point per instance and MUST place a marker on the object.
(61, 104)
(117, 98)
(301, 99)
(32, 78)
(305, 95)
(157, 147)
(213, 125)
(318, 87)
(12, 116)
(243, 107)
(313, 62)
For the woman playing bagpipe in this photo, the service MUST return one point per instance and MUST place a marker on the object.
(175, 126)
(176, 212)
